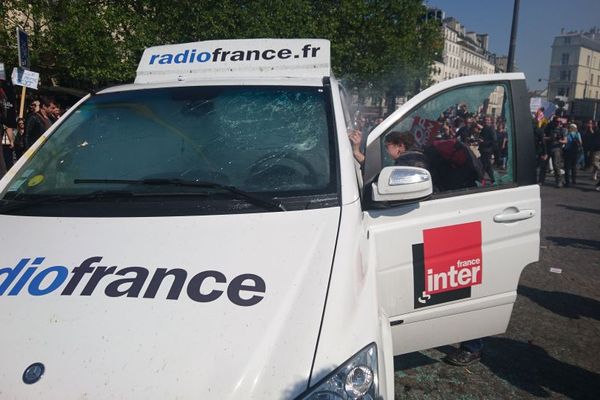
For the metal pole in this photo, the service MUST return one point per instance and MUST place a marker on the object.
(22, 105)
(513, 38)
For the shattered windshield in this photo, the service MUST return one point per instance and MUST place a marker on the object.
(270, 141)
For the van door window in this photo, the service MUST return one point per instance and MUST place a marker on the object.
(464, 136)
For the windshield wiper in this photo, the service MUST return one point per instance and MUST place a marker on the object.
(268, 204)
(21, 201)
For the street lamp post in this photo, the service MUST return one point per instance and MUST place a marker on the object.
(510, 67)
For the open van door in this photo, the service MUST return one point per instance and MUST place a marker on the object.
(448, 265)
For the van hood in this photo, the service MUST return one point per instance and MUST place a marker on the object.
(224, 307)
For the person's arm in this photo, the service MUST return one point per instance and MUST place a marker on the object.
(11, 137)
(563, 137)
(355, 139)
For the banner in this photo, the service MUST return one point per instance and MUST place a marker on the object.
(23, 77)
(424, 130)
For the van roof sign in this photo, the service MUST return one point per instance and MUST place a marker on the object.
(275, 58)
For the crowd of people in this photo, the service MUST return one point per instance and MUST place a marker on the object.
(563, 147)
(480, 137)
(19, 135)
(485, 135)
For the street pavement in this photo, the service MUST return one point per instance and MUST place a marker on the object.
(552, 347)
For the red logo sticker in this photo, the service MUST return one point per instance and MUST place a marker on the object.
(452, 257)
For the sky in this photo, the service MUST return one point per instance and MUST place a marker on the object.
(539, 22)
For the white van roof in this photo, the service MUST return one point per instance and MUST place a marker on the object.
(244, 58)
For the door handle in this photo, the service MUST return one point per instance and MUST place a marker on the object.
(513, 214)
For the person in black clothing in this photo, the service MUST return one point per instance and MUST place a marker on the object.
(401, 147)
(464, 132)
(488, 146)
(594, 149)
(39, 122)
(560, 111)
(587, 136)
(462, 111)
(8, 121)
(33, 109)
(20, 146)
(501, 154)
(554, 138)
(8, 144)
(540, 152)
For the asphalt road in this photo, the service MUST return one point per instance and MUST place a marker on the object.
(552, 347)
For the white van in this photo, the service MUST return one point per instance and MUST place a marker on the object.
(205, 233)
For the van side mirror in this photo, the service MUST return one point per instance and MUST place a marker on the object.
(402, 183)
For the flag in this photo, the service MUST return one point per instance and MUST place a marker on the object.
(424, 130)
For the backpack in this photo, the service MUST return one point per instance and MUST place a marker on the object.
(574, 145)
(453, 165)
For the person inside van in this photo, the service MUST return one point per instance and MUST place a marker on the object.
(401, 148)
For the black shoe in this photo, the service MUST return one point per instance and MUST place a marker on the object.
(462, 357)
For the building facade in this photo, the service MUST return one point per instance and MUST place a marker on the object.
(575, 72)
(465, 52)
(575, 69)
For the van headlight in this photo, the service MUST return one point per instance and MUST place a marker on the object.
(355, 379)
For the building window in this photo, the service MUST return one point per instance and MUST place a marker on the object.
(567, 40)
(565, 75)
(563, 91)
(564, 59)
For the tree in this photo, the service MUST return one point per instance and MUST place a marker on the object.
(381, 45)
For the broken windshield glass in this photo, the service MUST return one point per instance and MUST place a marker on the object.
(272, 140)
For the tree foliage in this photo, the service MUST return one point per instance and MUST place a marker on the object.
(382, 45)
